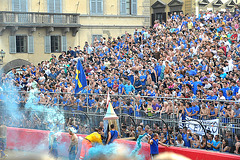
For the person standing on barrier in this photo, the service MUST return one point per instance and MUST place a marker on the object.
(53, 144)
(73, 148)
(154, 142)
(112, 135)
(3, 140)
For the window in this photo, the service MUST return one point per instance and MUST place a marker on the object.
(128, 7)
(19, 5)
(54, 6)
(96, 6)
(21, 44)
(98, 36)
(55, 44)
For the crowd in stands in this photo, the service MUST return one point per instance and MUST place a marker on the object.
(226, 142)
(188, 56)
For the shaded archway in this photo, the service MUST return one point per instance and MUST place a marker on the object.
(17, 63)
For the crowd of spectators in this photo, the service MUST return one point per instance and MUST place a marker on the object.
(188, 56)
(184, 137)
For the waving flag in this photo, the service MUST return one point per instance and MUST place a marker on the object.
(80, 79)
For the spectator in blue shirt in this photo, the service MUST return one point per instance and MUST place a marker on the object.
(195, 84)
(195, 110)
(91, 101)
(188, 109)
(129, 88)
(115, 104)
(191, 72)
(186, 137)
(137, 84)
(216, 143)
(121, 88)
(210, 142)
(143, 78)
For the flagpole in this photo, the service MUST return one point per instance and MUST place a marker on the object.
(87, 102)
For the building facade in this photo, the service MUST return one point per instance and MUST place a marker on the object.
(32, 30)
(161, 9)
(216, 5)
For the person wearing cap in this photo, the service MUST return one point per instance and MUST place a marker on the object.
(88, 141)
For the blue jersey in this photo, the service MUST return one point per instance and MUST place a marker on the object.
(215, 144)
(114, 135)
(154, 147)
(186, 141)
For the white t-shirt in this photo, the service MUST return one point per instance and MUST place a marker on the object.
(180, 144)
(42, 78)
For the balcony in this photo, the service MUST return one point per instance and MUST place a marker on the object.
(33, 20)
(38, 19)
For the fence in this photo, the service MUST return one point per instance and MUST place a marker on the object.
(87, 111)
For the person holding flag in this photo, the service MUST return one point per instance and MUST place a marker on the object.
(80, 78)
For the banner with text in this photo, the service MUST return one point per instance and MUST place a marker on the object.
(195, 127)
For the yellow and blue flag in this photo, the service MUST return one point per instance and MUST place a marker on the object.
(80, 78)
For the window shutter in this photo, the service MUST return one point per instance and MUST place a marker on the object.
(15, 5)
(30, 44)
(12, 44)
(51, 4)
(64, 43)
(123, 7)
(93, 6)
(23, 5)
(128, 7)
(134, 7)
(58, 6)
(47, 44)
(57, 9)
(99, 6)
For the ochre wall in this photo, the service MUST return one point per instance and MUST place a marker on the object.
(39, 37)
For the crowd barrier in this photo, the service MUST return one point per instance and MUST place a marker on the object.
(37, 140)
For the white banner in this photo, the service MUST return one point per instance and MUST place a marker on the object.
(195, 127)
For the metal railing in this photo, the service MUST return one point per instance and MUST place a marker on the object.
(91, 108)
